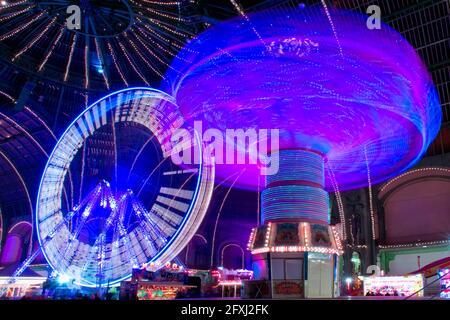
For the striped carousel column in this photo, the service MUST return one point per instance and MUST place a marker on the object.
(296, 193)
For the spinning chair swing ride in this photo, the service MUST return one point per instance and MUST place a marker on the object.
(350, 112)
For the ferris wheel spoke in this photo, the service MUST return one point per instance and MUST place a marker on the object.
(156, 235)
(53, 232)
(151, 174)
(152, 234)
(106, 196)
(83, 156)
(101, 259)
(99, 240)
(160, 225)
(86, 213)
(172, 203)
(67, 251)
(94, 197)
(144, 217)
(92, 254)
(113, 126)
(181, 193)
(166, 214)
(165, 228)
(113, 252)
(139, 154)
(146, 248)
(124, 237)
(153, 245)
(122, 231)
(58, 226)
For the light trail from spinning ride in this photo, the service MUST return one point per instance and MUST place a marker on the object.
(112, 229)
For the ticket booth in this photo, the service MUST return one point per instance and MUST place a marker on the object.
(295, 260)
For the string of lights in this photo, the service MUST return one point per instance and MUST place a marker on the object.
(113, 55)
(372, 214)
(416, 244)
(69, 60)
(22, 27)
(144, 59)
(36, 39)
(338, 200)
(133, 66)
(52, 48)
(102, 63)
(15, 14)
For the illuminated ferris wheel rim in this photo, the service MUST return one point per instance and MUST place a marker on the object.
(184, 230)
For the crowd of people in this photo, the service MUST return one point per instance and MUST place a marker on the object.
(385, 291)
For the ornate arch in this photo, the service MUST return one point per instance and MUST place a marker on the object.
(411, 177)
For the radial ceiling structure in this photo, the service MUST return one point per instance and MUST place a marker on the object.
(25, 142)
(361, 98)
(118, 43)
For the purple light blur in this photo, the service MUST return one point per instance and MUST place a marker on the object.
(375, 98)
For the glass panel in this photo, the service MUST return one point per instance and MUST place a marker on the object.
(294, 269)
(278, 269)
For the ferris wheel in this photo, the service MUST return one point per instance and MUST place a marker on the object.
(111, 198)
